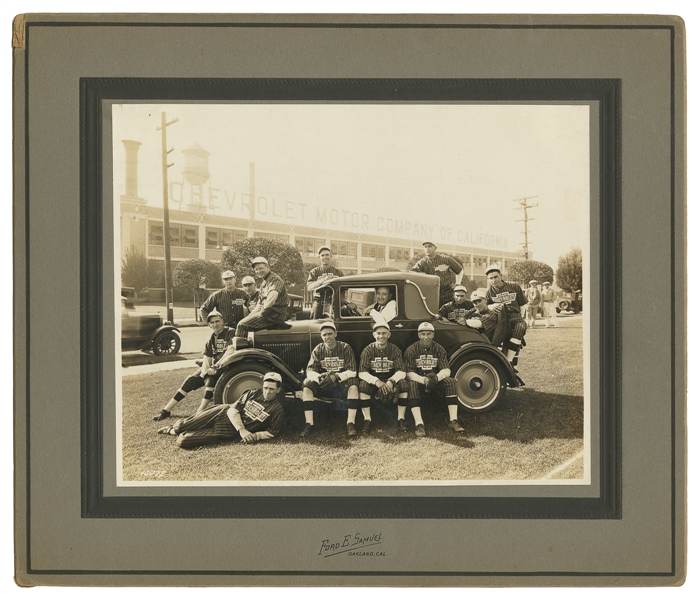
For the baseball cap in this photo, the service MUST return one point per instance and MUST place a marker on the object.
(247, 279)
(428, 242)
(460, 288)
(532, 281)
(377, 325)
(328, 325)
(213, 313)
(321, 248)
(425, 327)
(260, 259)
(477, 295)
(493, 267)
(546, 283)
(228, 275)
(272, 377)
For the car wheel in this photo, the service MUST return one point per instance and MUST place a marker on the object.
(564, 305)
(480, 382)
(167, 342)
(238, 378)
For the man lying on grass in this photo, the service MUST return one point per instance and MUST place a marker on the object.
(218, 352)
(331, 373)
(255, 417)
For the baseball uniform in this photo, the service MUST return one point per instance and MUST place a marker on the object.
(421, 361)
(218, 423)
(229, 304)
(381, 363)
(339, 360)
(269, 316)
(442, 265)
(456, 312)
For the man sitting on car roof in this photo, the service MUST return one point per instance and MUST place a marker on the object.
(272, 307)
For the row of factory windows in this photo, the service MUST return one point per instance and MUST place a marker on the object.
(187, 236)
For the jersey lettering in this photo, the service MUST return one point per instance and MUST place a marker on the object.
(238, 302)
(426, 362)
(441, 268)
(255, 411)
(381, 364)
(505, 297)
(332, 364)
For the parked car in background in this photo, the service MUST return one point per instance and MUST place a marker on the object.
(569, 302)
(147, 331)
(481, 370)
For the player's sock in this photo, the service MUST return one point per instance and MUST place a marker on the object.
(351, 415)
(401, 410)
(203, 405)
(452, 408)
(417, 414)
(309, 417)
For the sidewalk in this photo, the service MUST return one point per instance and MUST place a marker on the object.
(164, 366)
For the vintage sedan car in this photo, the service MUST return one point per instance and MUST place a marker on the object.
(481, 370)
(147, 331)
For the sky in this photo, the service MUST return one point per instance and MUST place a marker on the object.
(448, 172)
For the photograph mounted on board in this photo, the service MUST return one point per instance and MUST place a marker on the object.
(343, 293)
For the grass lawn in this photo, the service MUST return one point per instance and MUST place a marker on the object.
(536, 432)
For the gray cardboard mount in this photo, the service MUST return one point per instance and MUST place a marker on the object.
(645, 546)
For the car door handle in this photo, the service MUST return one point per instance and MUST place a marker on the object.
(399, 326)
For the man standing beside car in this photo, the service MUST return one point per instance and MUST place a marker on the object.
(331, 373)
(548, 297)
(511, 295)
(229, 302)
(382, 373)
(272, 307)
(252, 293)
(319, 276)
(217, 354)
(442, 265)
(533, 296)
(256, 416)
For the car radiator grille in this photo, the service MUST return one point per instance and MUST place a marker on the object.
(289, 353)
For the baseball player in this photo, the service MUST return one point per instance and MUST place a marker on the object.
(511, 295)
(385, 308)
(382, 373)
(331, 373)
(319, 276)
(533, 296)
(272, 307)
(251, 291)
(256, 416)
(455, 311)
(548, 297)
(427, 368)
(229, 301)
(218, 352)
(442, 265)
(483, 316)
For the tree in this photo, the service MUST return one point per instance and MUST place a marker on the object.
(283, 259)
(134, 270)
(522, 271)
(569, 271)
(197, 273)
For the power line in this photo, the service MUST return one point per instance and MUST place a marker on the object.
(524, 205)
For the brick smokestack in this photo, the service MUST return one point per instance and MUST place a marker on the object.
(131, 182)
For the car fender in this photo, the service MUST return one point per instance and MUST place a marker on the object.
(491, 351)
(164, 328)
(267, 358)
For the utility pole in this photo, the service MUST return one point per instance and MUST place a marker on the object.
(523, 205)
(169, 301)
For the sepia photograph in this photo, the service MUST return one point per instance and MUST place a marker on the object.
(352, 292)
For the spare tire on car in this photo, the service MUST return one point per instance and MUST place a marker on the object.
(481, 382)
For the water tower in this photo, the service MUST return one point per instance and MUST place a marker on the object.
(195, 173)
